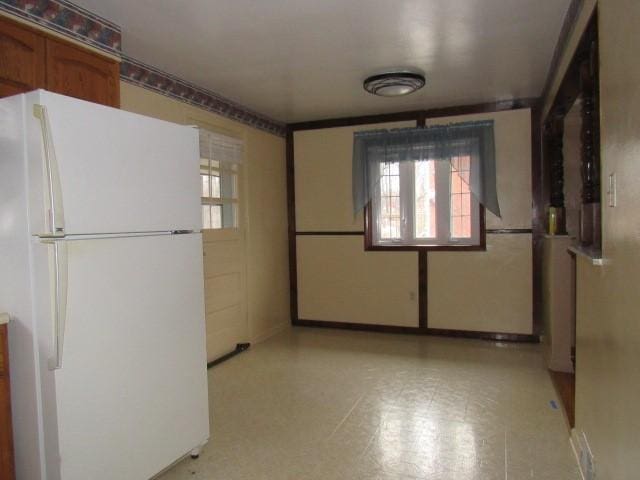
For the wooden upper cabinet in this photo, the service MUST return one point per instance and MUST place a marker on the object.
(22, 59)
(79, 73)
(31, 59)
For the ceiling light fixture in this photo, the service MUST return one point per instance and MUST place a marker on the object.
(394, 84)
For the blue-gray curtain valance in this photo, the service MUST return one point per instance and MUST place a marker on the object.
(441, 142)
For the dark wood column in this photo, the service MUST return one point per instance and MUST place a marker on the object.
(590, 221)
(554, 142)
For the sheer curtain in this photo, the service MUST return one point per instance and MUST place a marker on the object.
(437, 143)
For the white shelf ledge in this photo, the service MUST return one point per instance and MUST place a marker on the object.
(594, 256)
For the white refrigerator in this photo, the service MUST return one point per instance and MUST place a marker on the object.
(101, 272)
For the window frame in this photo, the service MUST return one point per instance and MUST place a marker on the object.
(370, 233)
(222, 200)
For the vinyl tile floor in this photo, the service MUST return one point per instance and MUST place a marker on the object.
(327, 404)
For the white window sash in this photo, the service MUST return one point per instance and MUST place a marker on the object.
(443, 211)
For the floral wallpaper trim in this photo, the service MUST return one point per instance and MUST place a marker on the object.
(68, 19)
(149, 77)
(71, 20)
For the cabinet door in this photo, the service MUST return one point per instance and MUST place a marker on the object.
(78, 73)
(21, 59)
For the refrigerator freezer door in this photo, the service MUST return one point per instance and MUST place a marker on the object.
(118, 171)
(131, 396)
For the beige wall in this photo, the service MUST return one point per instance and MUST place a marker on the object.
(557, 302)
(491, 291)
(338, 281)
(265, 229)
(607, 330)
(608, 326)
(567, 55)
(323, 178)
(483, 291)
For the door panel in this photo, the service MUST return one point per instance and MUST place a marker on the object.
(78, 73)
(225, 287)
(119, 172)
(22, 59)
(132, 390)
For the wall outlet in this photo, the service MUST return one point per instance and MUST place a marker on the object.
(412, 296)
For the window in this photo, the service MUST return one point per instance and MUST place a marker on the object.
(220, 169)
(426, 203)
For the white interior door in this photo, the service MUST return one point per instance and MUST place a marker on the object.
(225, 290)
(118, 171)
(132, 390)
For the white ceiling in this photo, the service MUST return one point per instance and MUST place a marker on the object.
(297, 60)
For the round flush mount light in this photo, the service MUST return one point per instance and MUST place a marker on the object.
(394, 84)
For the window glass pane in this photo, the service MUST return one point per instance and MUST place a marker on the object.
(205, 185)
(229, 215)
(204, 166)
(228, 184)
(215, 185)
(389, 202)
(206, 216)
(425, 199)
(216, 216)
(460, 198)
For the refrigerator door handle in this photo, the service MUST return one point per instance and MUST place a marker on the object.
(56, 211)
(60, 283)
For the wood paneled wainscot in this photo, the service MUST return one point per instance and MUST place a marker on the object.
(31, 59)
(7, 469)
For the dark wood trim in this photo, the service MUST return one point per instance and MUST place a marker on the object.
(335, 233)
(423, 292)
(508, 231)
(360, 120)
(423, 268)
(363, 327)
(240, 347)
(568, 25)
(7, 461)
(291, 215)
(494, 336)
(367, 327)
(491, 107)
(426, 248)
(419, 116)
(537, 219)
(565, 385)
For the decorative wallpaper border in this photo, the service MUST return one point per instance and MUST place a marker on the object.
(69, 19)
(149, 77)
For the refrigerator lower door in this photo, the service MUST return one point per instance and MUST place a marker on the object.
(131, 393)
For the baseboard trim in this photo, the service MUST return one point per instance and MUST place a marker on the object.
(240, 347)
(363, 327)
(368, 327)
(493, 336)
